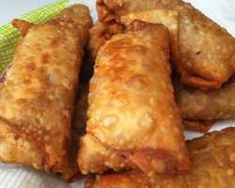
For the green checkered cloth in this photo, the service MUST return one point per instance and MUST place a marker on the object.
(9, 35)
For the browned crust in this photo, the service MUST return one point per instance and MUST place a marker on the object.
(115, 67)
(22, 26)
(99, 34)
(37, 96)
(213, 166)
(206, 105)
(195, 61)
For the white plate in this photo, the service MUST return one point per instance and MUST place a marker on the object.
(12, 176)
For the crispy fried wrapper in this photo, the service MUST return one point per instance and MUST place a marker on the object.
(213, 157)
(37, 96)
(101, 32)
(22, 26)
(163, 16)
(133, 121)
(206, 51)
(207, 105)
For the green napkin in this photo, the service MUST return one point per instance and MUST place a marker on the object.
(9, 35)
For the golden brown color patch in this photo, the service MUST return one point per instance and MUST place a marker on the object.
(207, 105)
(37, 96)
(213, 157)
(132, 115)
(206, 51)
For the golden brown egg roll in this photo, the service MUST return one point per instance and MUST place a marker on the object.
(213, 157)
(37, 95)
(132, 113)
(206, 50)
(216, 104)
(166, 17)
(102, 32)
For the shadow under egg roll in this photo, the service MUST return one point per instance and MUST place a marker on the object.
(133, 120)
(202, 126)
(37, 95)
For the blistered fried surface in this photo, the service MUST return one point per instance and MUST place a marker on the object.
(159, 16)
(99, 154)
(94, 156)
(207, 51)
(125, 180)
(213, 157)
(102, 32)
(207, 105)
(37, 96)
(99, 34)
(131, 103)
(107, 9)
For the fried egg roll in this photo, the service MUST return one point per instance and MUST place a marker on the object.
(213, 157)
(206, 50)
(102, 32)
(207, 105)
(166, 17)
(37, 95)
(133, 120)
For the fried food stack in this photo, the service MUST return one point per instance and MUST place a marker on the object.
(201, 59)
(202, 54)
(156, 67)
